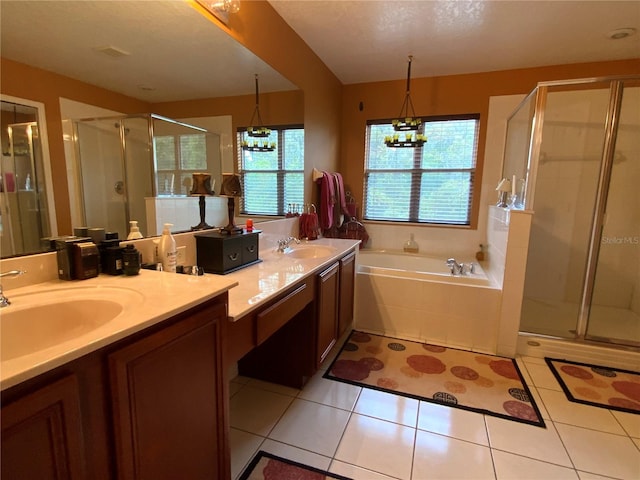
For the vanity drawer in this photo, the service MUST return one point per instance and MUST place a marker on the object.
(220, 253)
(269, 320)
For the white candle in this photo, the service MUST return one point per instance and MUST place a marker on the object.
(513, 185)
(172, 180)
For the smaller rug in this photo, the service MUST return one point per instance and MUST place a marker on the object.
(266, 466)
(602, 387)
(456, 378)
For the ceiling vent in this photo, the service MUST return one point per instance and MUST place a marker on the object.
(112, 51)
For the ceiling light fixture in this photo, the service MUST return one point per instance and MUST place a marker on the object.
(221, 8)
(258, 131)
(620, 33)
(405, 124)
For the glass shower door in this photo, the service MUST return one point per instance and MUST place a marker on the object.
(565, 187)
(614, 313)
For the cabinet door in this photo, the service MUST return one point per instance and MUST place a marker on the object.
(327, 311)
(347, 279)
(42, 434)
(168, 397)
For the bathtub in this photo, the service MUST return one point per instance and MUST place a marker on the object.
(420, 267)
(415, 297)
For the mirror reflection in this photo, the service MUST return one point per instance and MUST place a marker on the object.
(61, 68)
(122, 164)
(24, 215)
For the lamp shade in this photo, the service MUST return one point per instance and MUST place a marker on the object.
(231, 185)
(201, 184)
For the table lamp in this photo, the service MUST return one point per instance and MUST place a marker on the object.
(202, 187)
(231, 188)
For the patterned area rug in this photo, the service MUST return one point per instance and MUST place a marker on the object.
(266, 466)
(599, 386)
(457, 378)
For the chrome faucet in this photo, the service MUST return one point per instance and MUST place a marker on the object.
(285, 242)
(456, 268)
(460, 268)
(4, 301)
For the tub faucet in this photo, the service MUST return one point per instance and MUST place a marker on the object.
(285, 242)
(456, 268)
(4, 301)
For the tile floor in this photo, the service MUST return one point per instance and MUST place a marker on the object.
(369, 435)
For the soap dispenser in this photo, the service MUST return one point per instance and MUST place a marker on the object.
(134, 231)
(410, 246)
(167, 249)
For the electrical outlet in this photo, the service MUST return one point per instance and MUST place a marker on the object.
(181, 258)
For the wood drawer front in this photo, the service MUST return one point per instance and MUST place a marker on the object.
(249, 248)
(272, 318)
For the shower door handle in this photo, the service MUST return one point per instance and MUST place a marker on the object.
(118, 187)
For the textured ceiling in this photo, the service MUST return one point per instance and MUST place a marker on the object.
(369, 40)
(177, 54)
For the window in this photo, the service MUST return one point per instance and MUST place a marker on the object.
(272, 180)
(432, 184)
(177, 158)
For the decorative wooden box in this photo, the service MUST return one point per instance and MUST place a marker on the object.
(222, 253)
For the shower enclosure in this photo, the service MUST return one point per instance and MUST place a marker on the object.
(121, 162)
(573, 151)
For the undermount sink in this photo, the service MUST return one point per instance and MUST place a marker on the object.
(40, 320)
(310, 251)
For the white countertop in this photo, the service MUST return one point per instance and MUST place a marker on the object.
(277, 272)
(154, 297)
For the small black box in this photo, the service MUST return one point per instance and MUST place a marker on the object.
(222, 253)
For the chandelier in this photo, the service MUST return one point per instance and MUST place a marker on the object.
(258, 134)
(406, 124)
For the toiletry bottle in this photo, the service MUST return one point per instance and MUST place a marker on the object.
(480, 254)
(134, 231)
(410, 246)
(168, 251)
(131, 260)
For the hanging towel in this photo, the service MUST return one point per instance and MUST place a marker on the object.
(327, 200)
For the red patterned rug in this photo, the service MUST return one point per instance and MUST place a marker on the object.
(603, 387)
(456, 378)
(266, 466)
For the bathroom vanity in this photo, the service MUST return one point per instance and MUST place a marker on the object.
(145, 395)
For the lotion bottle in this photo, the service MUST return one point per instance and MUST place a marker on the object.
(134, 231)
(411, 246)
(168, 251)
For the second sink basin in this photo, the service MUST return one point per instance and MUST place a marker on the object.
(310, 251)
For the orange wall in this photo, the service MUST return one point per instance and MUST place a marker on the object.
(277, 108)
(259, 28)
(446, 95)
(23, 81)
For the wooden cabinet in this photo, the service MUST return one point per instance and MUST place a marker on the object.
(347, 290)
(42, 434)
(168, 419)
(327, 311)
(150, 406)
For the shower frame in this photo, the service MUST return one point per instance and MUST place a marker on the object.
(611, 124)
(123, 148)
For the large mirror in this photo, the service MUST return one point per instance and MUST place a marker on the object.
(150, 57)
